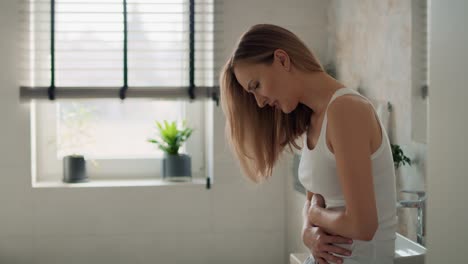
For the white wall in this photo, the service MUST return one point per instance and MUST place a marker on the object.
(234, 222)
(447, 232)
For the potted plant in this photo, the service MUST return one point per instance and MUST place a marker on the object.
(175, 166)
(399, 158)
(74, 134)
(74, 169)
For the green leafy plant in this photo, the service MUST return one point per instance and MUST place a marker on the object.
(399, 158)
(76, 124)
(170, 137)
(75, 128)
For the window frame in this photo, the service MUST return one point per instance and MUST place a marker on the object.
(47, 168)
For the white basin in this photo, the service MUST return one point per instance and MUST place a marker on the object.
(406, 252)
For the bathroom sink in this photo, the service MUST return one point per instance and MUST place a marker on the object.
(406, 252)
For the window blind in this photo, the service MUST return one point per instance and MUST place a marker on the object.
(118, 48)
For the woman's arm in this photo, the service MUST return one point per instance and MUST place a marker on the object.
(349, 122)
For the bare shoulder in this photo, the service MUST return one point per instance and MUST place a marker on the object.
(350, 105)
(350, 112)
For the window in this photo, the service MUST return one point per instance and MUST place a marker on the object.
(88, 50)
(112, 136)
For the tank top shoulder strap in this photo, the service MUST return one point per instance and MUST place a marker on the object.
(338, 93)
(343, 91)
(322, 142)
(322, 135)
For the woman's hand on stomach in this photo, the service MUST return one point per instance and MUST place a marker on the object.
(321, 243)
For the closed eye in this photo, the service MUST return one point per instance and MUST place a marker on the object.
(255, 87)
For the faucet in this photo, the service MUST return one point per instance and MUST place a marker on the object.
(420, 204)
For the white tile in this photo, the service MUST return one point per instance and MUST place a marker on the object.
(248, 207)
(16, 249)
(250, 248)
(196, 247)
(121, 210)
(149, 248)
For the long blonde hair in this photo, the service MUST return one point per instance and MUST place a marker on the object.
(259, 135)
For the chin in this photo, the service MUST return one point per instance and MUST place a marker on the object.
(286, 109)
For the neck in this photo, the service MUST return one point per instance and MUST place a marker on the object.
(317, 88)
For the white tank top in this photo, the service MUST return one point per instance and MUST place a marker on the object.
(318, 174)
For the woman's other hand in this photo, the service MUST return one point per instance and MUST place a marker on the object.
(318, 200)
(318, 241)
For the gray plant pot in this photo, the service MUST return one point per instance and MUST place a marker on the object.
(176, 167)
(74, 169)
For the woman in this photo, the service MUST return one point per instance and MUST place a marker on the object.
(274, 90)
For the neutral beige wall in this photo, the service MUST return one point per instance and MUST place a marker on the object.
(448, 123)
(371, 44)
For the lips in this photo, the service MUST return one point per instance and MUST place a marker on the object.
(274, 104)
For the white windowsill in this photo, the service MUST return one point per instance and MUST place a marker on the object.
(119, 183)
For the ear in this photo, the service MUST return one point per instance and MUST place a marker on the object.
(283, 58)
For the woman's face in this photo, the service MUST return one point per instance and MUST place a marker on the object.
(270, 84)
